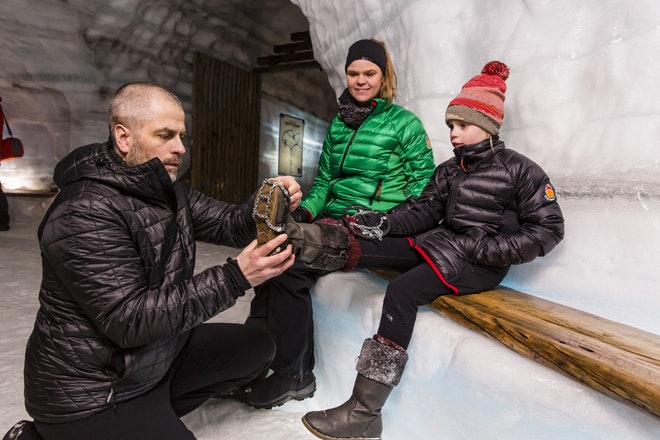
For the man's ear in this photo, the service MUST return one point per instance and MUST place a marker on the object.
(123, 137)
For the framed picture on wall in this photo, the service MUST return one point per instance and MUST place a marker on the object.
(291, 145)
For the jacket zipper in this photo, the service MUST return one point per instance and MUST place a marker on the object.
(111, 396)
(348, 146)
(379, 188)
(343, 159)
(453, 193)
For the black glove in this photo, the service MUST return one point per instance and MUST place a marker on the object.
(369, 218)
(371, 225)
(301, 215)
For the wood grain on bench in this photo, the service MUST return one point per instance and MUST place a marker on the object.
(620, 361)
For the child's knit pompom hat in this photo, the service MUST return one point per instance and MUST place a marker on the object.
(481, 100)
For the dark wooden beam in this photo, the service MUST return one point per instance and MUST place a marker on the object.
(293, 47)
(300, 36)
(286, 58)
(298, 55)
(304, 65)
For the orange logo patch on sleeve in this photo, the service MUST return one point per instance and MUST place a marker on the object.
(549, 192)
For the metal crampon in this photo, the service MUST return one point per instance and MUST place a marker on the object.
(375, 232)
(271, 207)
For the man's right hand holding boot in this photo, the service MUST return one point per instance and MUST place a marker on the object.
(257, 263)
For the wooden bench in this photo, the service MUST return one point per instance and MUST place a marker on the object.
(620, 361)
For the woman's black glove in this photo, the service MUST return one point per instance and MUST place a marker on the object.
(302, 215)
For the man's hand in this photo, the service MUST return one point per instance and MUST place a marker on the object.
(295, 194)
(258, 265)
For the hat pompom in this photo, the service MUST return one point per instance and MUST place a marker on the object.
(496, 68)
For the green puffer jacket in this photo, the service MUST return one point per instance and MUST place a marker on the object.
(387, 160)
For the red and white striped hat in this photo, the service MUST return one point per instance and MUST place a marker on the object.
(481, 100)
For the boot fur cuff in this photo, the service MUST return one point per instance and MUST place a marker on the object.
(334, 247)
(381, 363)
(353, 249)
(354, 254)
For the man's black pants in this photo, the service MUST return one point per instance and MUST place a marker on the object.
(217, 358)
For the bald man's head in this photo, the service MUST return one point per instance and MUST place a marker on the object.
(134, 104)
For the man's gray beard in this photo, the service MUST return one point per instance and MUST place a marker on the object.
(138, 158)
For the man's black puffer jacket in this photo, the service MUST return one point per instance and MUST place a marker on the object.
(118, 295)
(489, 206)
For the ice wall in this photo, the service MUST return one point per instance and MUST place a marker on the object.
(580, 101)
(581, 75)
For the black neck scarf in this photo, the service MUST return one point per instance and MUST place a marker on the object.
(351, 113)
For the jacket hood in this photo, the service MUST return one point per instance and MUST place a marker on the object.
(100, 162)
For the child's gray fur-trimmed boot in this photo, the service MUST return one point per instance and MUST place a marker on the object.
(380, 366)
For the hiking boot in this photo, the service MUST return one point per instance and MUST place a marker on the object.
(271, 208)
(234, 392)
(322, 245)
(276, 390)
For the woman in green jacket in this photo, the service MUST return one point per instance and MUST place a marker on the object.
(377, 155)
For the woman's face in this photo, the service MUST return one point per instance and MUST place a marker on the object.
(364, 79)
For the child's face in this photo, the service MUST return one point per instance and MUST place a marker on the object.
(461, 133)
